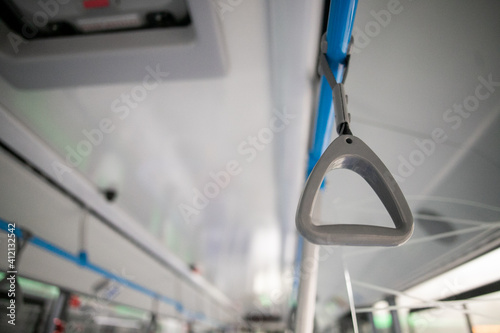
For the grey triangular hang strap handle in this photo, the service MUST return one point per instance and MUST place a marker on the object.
(349, 152)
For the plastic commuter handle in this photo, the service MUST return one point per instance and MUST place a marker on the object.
(349, 152)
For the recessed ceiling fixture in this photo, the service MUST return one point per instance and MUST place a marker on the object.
(61, 43)
(57, 18)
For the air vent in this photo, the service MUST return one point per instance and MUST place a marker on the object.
(58, 18)
(62, 43)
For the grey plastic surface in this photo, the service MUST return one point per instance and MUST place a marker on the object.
(349, 152)
(196, 51)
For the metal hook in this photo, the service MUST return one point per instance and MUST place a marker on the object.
(350, 152)
(342, 116)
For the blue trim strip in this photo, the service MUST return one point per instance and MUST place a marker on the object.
(338, 35)
(84, 262)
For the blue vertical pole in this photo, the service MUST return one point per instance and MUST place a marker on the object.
(338, 35)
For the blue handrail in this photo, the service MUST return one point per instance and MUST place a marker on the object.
(338, 36)
(83, 262)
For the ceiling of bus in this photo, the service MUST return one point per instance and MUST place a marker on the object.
(408, 69)
(188, 131)
(429, 59)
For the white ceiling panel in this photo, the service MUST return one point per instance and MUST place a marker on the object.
(197, 166)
